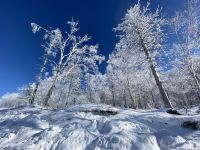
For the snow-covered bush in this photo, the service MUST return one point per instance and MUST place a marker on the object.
(12, 100)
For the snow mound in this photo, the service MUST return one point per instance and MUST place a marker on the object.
(79, 128)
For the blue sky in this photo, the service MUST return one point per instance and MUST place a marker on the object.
(20, 50)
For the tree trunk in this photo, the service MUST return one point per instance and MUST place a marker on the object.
(125, 100)
(58, 71)
(195, 80)
(50, 91)
(153, 99)
(163, 94)
(113, 95)
(69, 91)
(39, 78)
(130, 94)
(91, 100)
(32, 99)
(198, 78)
(139, 101)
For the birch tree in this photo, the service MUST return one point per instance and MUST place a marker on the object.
(48, 52)
(71, 51)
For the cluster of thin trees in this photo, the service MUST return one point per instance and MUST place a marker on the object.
(156, 62)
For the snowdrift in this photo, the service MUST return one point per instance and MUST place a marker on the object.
(99, 127)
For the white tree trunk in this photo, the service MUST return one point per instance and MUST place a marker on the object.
(163, 93)
(39, 78)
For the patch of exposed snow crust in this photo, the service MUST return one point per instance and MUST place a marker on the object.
(79, 128)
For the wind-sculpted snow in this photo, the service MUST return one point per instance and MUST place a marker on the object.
(78, 128)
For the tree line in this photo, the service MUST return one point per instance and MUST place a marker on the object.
(156, 62)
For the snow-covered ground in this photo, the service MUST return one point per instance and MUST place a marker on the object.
(76, 128)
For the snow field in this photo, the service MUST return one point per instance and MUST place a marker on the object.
(78, 128)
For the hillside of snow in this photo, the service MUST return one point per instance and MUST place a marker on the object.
(89, 127)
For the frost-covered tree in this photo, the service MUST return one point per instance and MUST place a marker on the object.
(11, 100)
(120, 66)
(49, 51)
(113, 81)
(70, 52)
(142, 28)
(100, 84)
(134, 85)
(186, 27)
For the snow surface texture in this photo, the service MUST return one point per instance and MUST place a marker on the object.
(76, 128)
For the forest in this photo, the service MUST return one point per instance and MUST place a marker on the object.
(155, 63)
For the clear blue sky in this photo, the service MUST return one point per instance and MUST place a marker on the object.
(20, 50)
